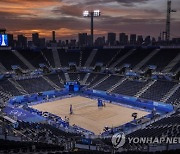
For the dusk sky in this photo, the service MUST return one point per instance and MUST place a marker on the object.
(143, 17)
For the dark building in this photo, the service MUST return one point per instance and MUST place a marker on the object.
(153, 41)
(133, 39)
(82, 39)
(140, 39)
(15, 43)
(73, 42)
(59, 43)
(30, 44)
(22, 42)
(10, 40)
(2, 31)
(176, 41)
(42, 42)
(111, 38)
(67, 42)
(63, 43)
(100, 41)
(53, 36)
(123, 39)
(147, 40)
(89, 40)
(35, 39)
(159, 39)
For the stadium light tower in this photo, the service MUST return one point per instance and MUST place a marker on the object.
(168, 20)
(92, 14)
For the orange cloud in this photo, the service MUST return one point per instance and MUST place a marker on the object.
(65, 17)
(29, 7)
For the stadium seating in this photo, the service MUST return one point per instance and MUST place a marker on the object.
(175, 68)
(49, 56)
(137, 56)
(85, 55)
(76, 76)
(93, 78)
(103, 56)
(120, 53)
(57, 79)
(35, 85)
(175, 98)
(130, 87)
(48, 136)
(166, 127)
(8, 59)
(158, 90)
(4, 96)
(35, 58)
(106, 84)
(169, 126)
(68, 57)
(7, 86)
(163, 58)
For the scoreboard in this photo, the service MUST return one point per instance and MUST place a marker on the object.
(3, 40)
(72, 86)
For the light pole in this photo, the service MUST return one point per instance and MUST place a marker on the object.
(92, 14)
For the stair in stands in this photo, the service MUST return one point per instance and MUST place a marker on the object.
(100, 81)
(46, 59)
(177, 71)
(56, 58)
(169, 67)
(112, 59)
(116, 85)
(18, 86)
(145, 88)
(145, 60)
(24, 60)
(51, 83)
(2, 68)
(122, 58)
(85, 78)
(90, 58)
(170, 93)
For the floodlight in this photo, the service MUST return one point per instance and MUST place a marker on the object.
(92, 14)
(96, 13)
(86, 13)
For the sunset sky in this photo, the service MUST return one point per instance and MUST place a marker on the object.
(145, 17)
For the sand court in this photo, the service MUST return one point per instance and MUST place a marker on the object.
(86, 113)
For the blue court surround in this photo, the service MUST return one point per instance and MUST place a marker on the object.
(20, 106)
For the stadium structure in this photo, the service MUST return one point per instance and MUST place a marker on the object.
(65, 100)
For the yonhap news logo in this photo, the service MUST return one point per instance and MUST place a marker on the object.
(119, 140)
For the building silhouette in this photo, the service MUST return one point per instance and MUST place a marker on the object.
(22, 41)
(100, 41)
(10, 40)
(35, 39)
(53, 36)
(140, 39)
(82, 38)
(111, 38)
(123, 39)
(132, 39)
